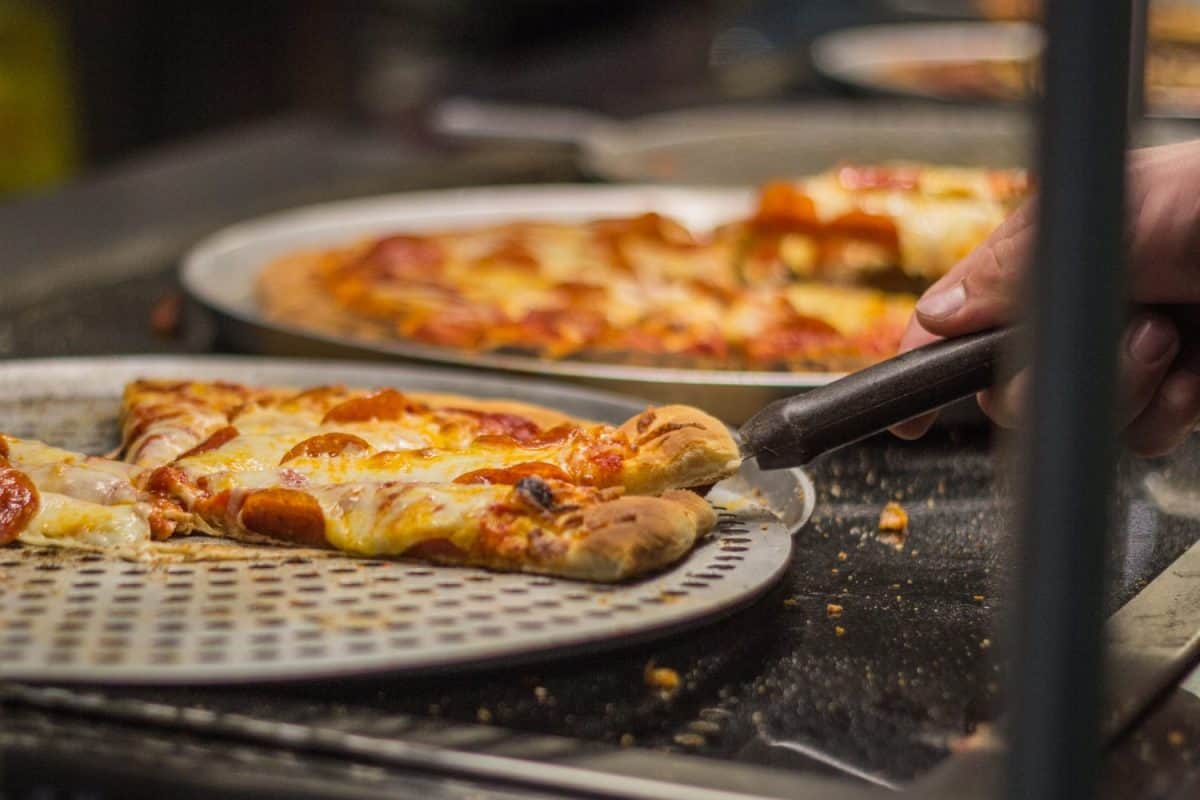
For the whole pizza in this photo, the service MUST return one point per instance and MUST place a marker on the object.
(821, 276)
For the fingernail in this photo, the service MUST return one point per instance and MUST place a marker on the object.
(1152, 340)
(943, 302)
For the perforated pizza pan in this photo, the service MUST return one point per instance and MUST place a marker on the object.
(287, 615)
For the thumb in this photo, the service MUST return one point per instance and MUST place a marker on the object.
(981, 291)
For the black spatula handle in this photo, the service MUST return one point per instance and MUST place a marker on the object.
(795, 430)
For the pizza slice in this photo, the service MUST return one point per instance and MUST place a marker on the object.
(338, 435)
(534, 525)
(899, 224)
(53, 497)
(443, 478)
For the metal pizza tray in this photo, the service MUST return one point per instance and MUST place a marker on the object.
(861, 57)
(73, 617)
(220, 273)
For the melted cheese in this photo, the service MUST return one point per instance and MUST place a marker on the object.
(388, 519)
(97, 480)
(63, 521)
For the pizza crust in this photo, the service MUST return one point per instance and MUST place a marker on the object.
(677, 447)
(635, 535)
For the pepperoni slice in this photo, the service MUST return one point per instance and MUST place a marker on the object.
(498, 423)
(509, 476)
(853, 176)
(327, 444)
(19, 501)
(286, 514)
(220, 437)
(404, 258)
(556, 434)
(877, 228)
(386, 404)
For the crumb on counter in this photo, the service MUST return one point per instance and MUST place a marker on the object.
(663, 678)
(893, 525)
(841, 556)
(690, 739)
(1176, 738)
(833, 610)
(483, 715)
(839, 631)
(626, 740)
(791, 602)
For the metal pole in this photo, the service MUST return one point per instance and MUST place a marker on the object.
(1070, 446)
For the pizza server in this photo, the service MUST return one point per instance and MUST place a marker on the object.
(793, 431)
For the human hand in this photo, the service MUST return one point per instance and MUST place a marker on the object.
(1160, 355)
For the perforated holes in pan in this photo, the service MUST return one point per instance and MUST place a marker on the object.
(83, 617)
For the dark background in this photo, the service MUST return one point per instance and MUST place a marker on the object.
(142, 73)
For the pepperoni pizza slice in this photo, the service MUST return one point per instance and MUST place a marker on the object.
(443, 478)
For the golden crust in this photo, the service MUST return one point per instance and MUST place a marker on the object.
(677, 447)
(634, 535)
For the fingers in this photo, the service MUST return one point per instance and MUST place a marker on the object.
(915, 336)
(1171, 414)
(1005, 404)
(982, 290)
(1150, 345)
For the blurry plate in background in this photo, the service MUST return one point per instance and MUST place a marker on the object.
(738, 145)
(989, 62)
(880, 57)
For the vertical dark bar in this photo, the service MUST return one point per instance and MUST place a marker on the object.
(1137, 59)
(1070, 447)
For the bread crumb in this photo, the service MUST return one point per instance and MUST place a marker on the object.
(626, 740)
(978, 598)
(483, 715)
(985, 644)
(541, 693)
(663, 678)
(833, 610)
(690, 739)
(791, 602)
(842, 556)
(1176, 738)
(833, 571)
(839, 631)
(893, 525)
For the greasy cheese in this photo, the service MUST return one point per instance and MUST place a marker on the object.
(938, 221)
(97, 480)
(388, 519)
(63, 521)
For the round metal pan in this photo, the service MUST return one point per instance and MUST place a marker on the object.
(741, 145)
(861, 57)
(283, 614)
(220, 273)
